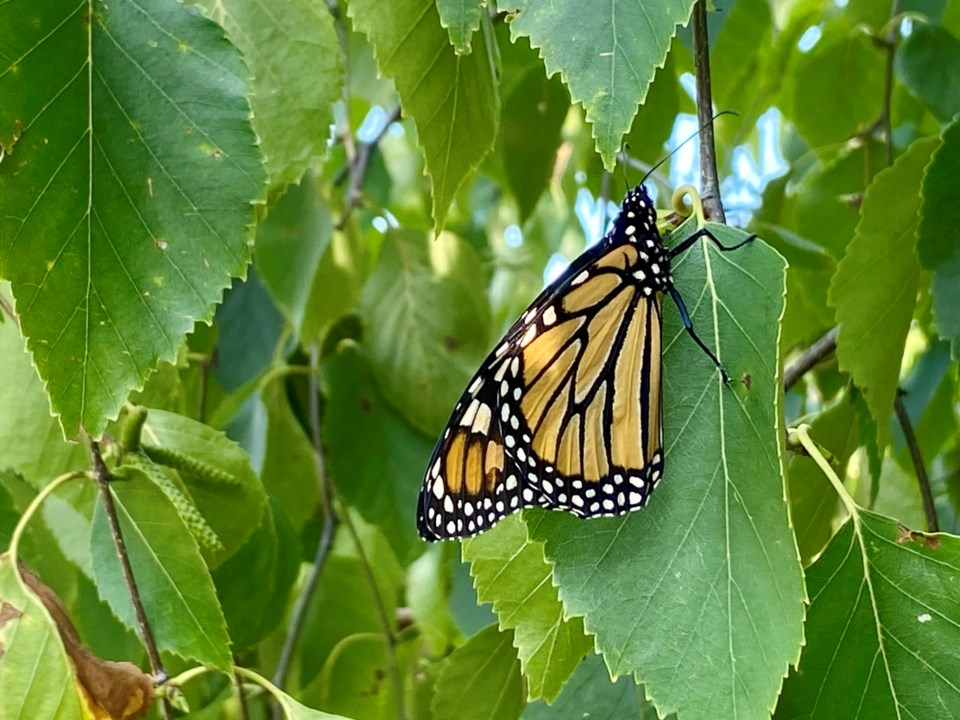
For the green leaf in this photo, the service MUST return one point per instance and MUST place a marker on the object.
(938, 238)
(428, 595)
(290, 244)
(130, 171)
(250, 328)
(480, 680)
(452, 98)
(654, 121)
(31, 439)
(510, 571)
(883, 626)
(344, 604)
(928, 63)
(375, 457)
(341, 607)
(531, 120)
(822, 206)
(874, 290)
(35, 671)
(736, 64)
(426, 324)
(292, 109)
(706, 578)
(255, 583)
(814, 504)
(591, 693)
(289, 464)
(606, 54)
(461, 18)
(831, 112)
(357, 679)
(215, 471)
(292, 710)
(175, 586)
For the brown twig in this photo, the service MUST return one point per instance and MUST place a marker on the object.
(241, 695)
(326, 537)
(7, 307)
(709, 181)
(356, 168)
(923, 480)
(810, 357)
(102, 475)
(385, 625)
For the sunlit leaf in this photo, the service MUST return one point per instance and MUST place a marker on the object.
(875, 287)
(175, 586)
(461, 18)
(510, 571)
(129, 175)
(292, 109)
(452, 98)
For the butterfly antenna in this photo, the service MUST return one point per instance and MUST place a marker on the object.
(623, 167)
(691, 137)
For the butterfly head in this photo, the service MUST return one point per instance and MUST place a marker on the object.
(637, 215)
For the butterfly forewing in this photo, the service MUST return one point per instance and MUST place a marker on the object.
(566, 411)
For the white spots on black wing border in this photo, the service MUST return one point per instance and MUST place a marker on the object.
(619, 493)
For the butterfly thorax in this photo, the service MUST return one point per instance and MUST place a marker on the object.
(646, 259)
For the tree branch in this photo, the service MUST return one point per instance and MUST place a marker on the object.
(385, 626)
(356, 168)
(709, 182)
(929, 509)
(810, 357)
(7, 308)
(102, 475)
(326, 537)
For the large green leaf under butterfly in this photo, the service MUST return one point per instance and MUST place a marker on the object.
(706, 577)
(129, 171)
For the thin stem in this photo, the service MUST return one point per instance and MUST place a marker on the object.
(709, 182)
(923, 480)
(801, 435)
(209, 363)
(102, 475)
(384, 618)
(810, 357)
(7, 307)
(604, 199)
(326, 538)
(357, 168)
(241, 695)
(891, 47)
(21, 527)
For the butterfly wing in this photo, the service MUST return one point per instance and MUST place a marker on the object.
(566, 411)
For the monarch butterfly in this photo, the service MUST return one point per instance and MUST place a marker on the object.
(565, 413)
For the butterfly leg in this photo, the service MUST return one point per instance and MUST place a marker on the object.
(704, 232)
(688, 324)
